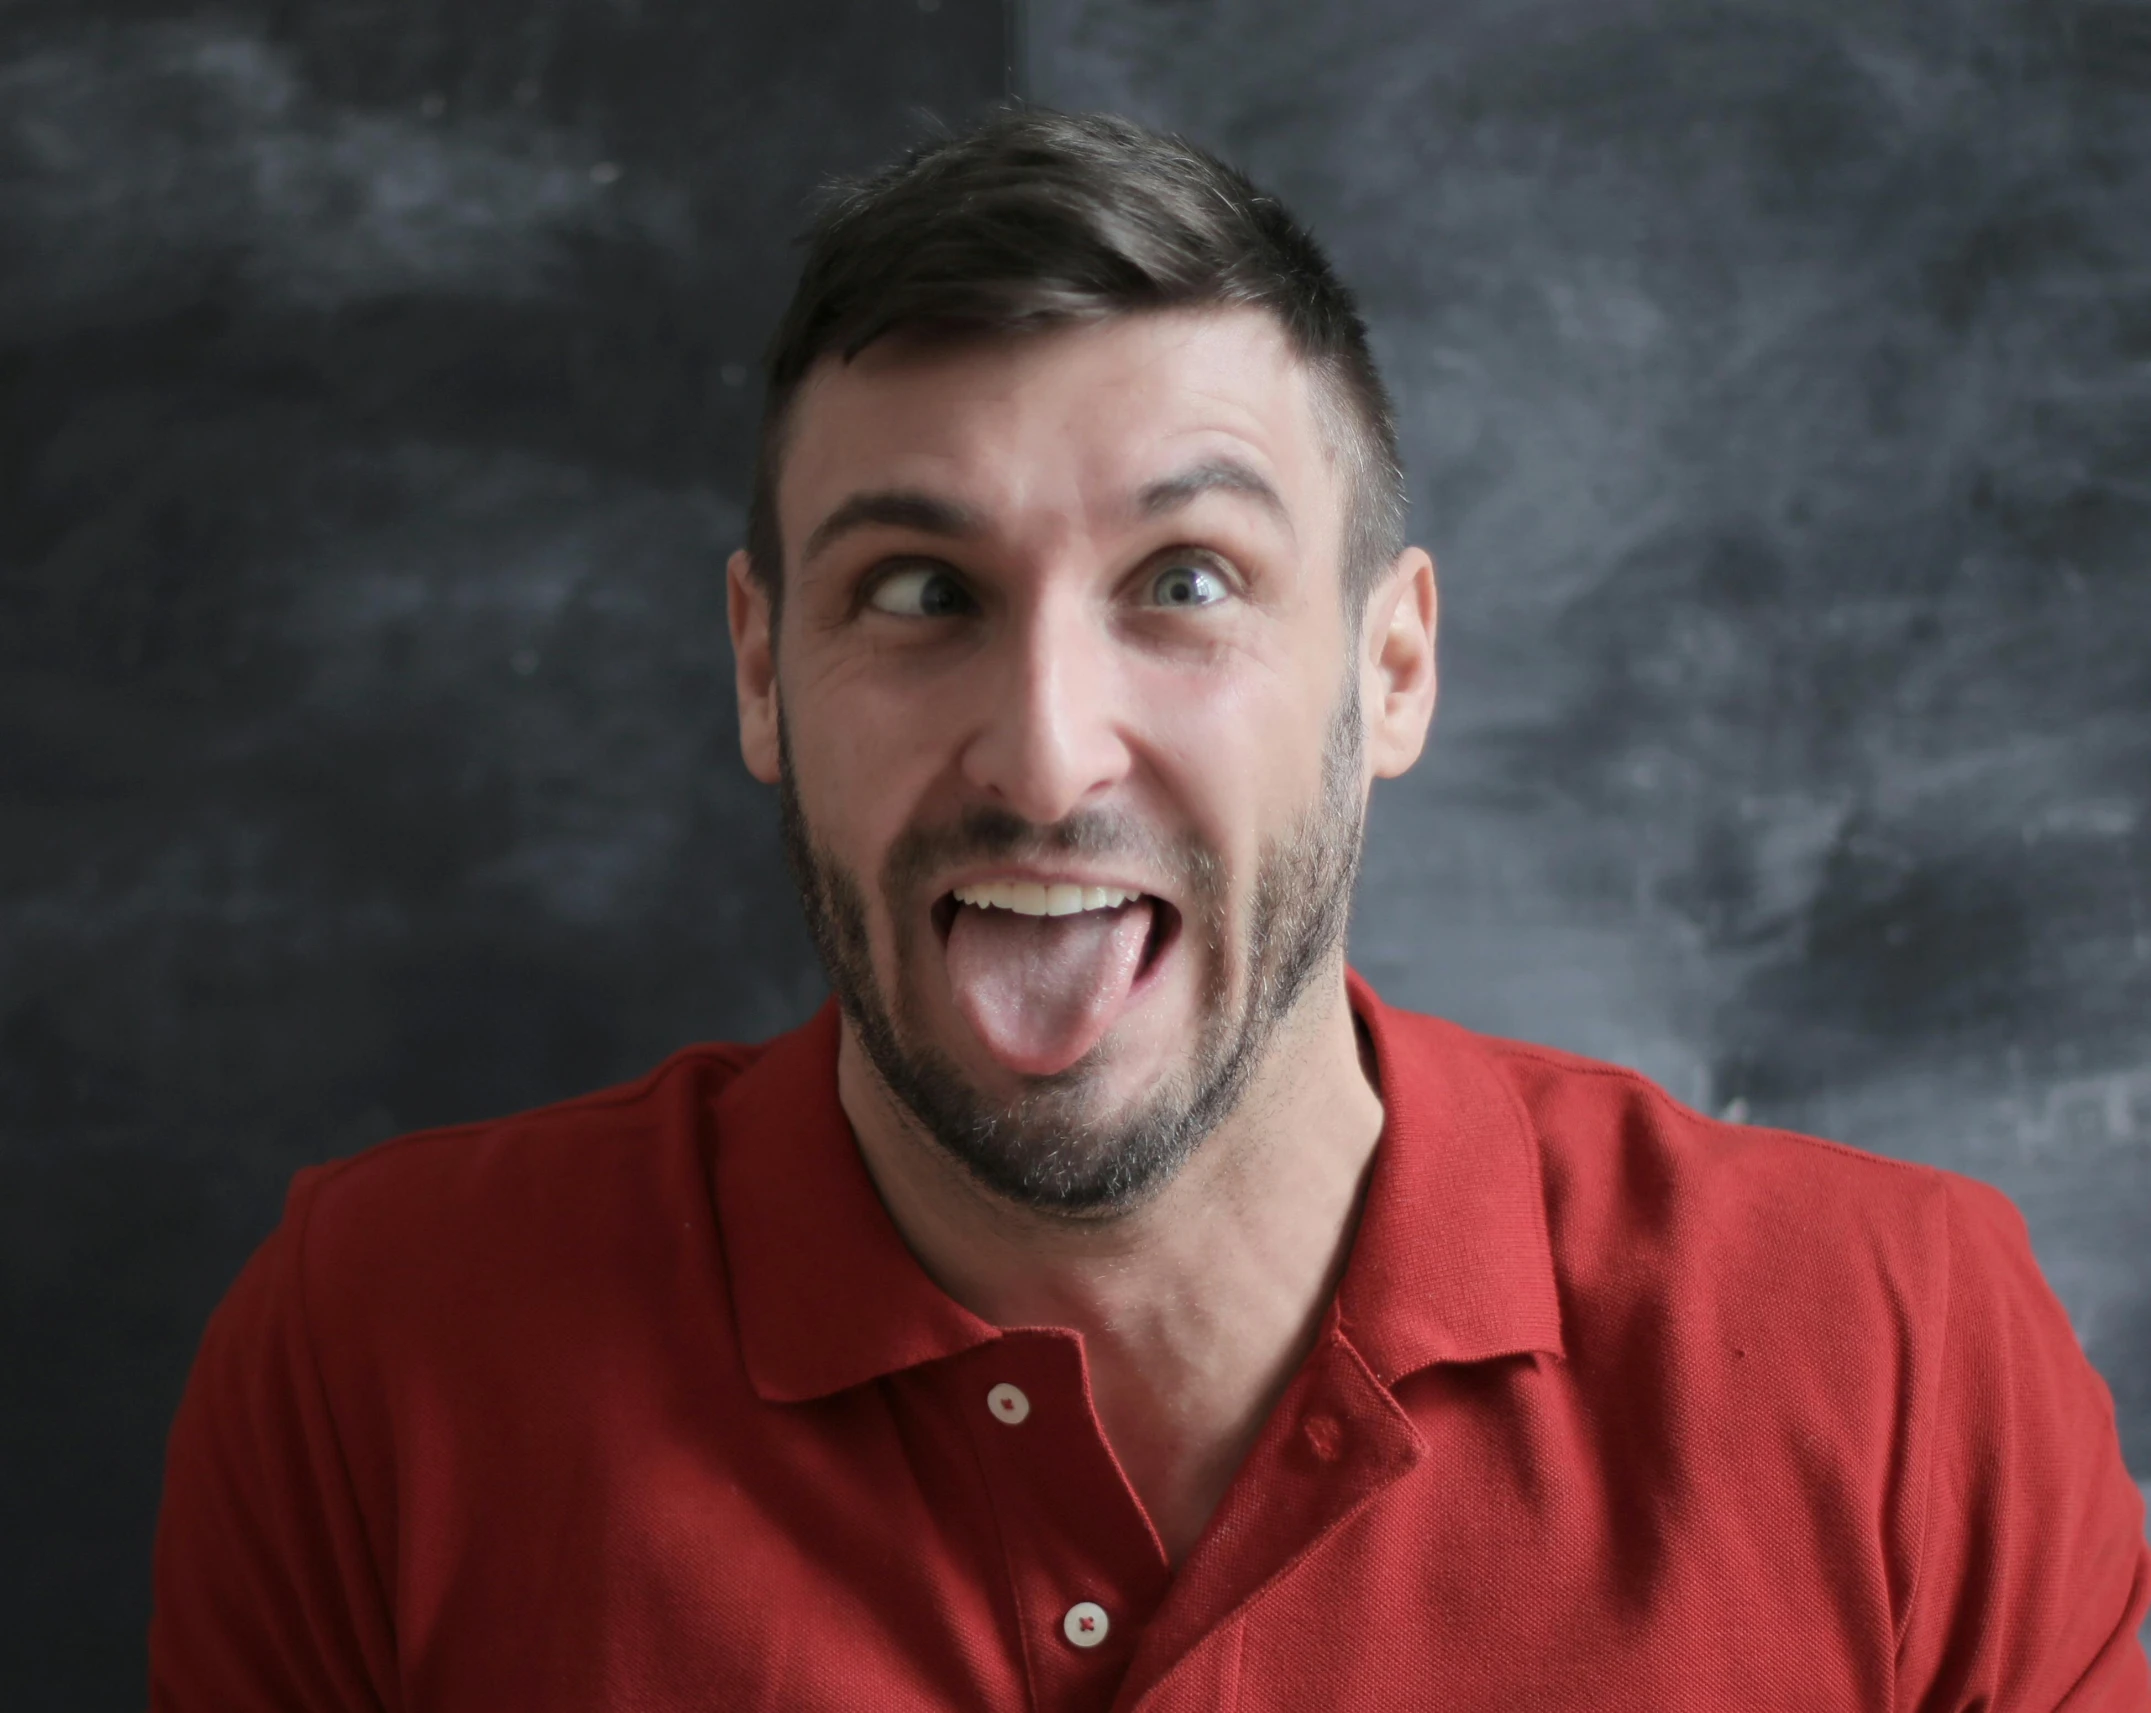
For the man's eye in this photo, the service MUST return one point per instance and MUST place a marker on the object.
(921, 592)
(1187, 586)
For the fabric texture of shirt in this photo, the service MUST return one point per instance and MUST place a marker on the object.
(641, 1402)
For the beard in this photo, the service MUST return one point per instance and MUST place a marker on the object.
(1050, 1148)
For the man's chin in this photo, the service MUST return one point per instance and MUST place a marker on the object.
(1112, 1078)
(1090, 1139)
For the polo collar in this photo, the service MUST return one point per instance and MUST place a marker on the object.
(1451, 1262)
(827, 1293)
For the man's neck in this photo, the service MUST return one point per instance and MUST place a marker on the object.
(1194, 1308)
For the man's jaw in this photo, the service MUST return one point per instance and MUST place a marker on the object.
(1042, 966)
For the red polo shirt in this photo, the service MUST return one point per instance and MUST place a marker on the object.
(641, 1402)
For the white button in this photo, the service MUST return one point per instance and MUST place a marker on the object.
(1086, 1624)
(1008, 1403)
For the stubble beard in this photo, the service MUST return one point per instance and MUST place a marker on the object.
(1049, 1149)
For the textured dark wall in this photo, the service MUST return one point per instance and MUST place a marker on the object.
(373, 418)
(1776, 380)
(375, 401)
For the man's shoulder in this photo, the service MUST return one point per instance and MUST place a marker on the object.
(537, 1190)
(1584, 1110)
(1648, 1197)
(1790, 1290)
(1814, 1366)
(542, 1146)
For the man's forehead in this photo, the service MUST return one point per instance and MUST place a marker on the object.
(928, 512)
(1134, 410)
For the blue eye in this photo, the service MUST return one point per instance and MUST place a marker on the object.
(920, 592)
(1187, 586)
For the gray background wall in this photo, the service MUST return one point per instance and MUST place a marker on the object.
(375, 384)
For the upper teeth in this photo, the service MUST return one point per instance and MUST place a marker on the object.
(1029, 898)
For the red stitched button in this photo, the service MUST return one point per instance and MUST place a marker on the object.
(1086, 1624)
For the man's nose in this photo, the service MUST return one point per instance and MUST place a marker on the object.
(1050, 736)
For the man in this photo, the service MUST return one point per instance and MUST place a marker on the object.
(1108, 1301)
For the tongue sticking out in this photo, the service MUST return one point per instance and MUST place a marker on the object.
(1041, 991)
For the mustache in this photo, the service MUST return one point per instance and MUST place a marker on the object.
(987, 833)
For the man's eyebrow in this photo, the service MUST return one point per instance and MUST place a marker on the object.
(1229, 474)
(899, 508)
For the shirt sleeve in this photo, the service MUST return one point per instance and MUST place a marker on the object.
(267, 1593)
(2033, 1573)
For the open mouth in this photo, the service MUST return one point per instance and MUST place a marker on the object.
(1064, 898)
(1043, 970)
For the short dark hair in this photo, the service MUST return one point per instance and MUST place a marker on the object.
(1037, 219)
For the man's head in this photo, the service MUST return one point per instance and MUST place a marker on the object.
(1039, 219)
(1074, 584)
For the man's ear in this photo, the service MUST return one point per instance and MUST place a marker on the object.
(1397, 672)
(754, 666)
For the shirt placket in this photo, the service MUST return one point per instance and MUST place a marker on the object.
(1085, 1568)
(1336, 1442)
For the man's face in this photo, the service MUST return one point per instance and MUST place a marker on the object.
(1067, 725)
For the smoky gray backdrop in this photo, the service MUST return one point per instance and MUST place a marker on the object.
(376, 387)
